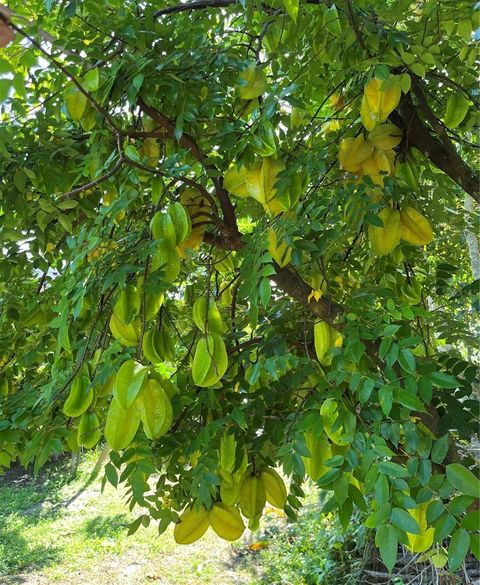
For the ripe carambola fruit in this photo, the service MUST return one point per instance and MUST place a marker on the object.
(380, 98)
(385, 239)
(88, 430)
(192, 526)
(79, 398)
(281, 252)
(325, 339)
(353, 152)
(252, 496)
(275, 490)
(210, 361)
(251, 83)
(416, 228)
(226, 521)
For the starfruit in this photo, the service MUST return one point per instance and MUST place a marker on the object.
(251, 83)
(320, 451)
(226, 521)
(155, 409)
(192, 526)
(281, 252)
(325, 339)
(275, 490)
(181, 222)
(386, 136)
(353, 152)
(128, 304)
(252, 496)
(128, 335)
(206, 315)
(158, 345)
(385, 239)
(379, 100)
(210, 361)
(228, 446)
(457, 109)
(377, 166)
(79, 398)
(415, 227)
(129, 380)
(121, 425)
(88, 430)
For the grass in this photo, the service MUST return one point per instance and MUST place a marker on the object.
(86, 542)
(52, 532)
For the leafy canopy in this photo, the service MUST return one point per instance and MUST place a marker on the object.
(233, 240)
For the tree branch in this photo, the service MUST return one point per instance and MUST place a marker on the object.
(116, 167)
(189, 144)
(286, 279)
(445, 158)
(353, 23)
(185, 140)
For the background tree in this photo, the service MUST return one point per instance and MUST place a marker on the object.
(233, 241)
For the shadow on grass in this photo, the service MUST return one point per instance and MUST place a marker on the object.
(18, 556)
(25, 502)
(105, 526)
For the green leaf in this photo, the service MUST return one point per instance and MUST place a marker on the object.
(440, 449)
(442, 380)
(406, 360)
(385, 397)
(405, 82)
(475, 544)
(393, 469)
(444, 527)
(458, 548)
(463, 480)
(409, 400)
(387, 542)
(405, 521)
(291, 6)
(471, 521)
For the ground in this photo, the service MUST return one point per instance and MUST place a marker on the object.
(47, 537)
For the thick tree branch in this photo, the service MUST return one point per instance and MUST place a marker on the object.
(353, 23)
(286, 279)
(191, 6)
(189, 144)
(446, 158)
(185, 140)
(204, 4)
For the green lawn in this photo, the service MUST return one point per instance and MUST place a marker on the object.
(53, 531)
(44, 538)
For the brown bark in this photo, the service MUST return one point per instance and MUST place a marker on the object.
(441, 153)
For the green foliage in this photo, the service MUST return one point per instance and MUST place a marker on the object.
(312, 551)
(258, 213)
